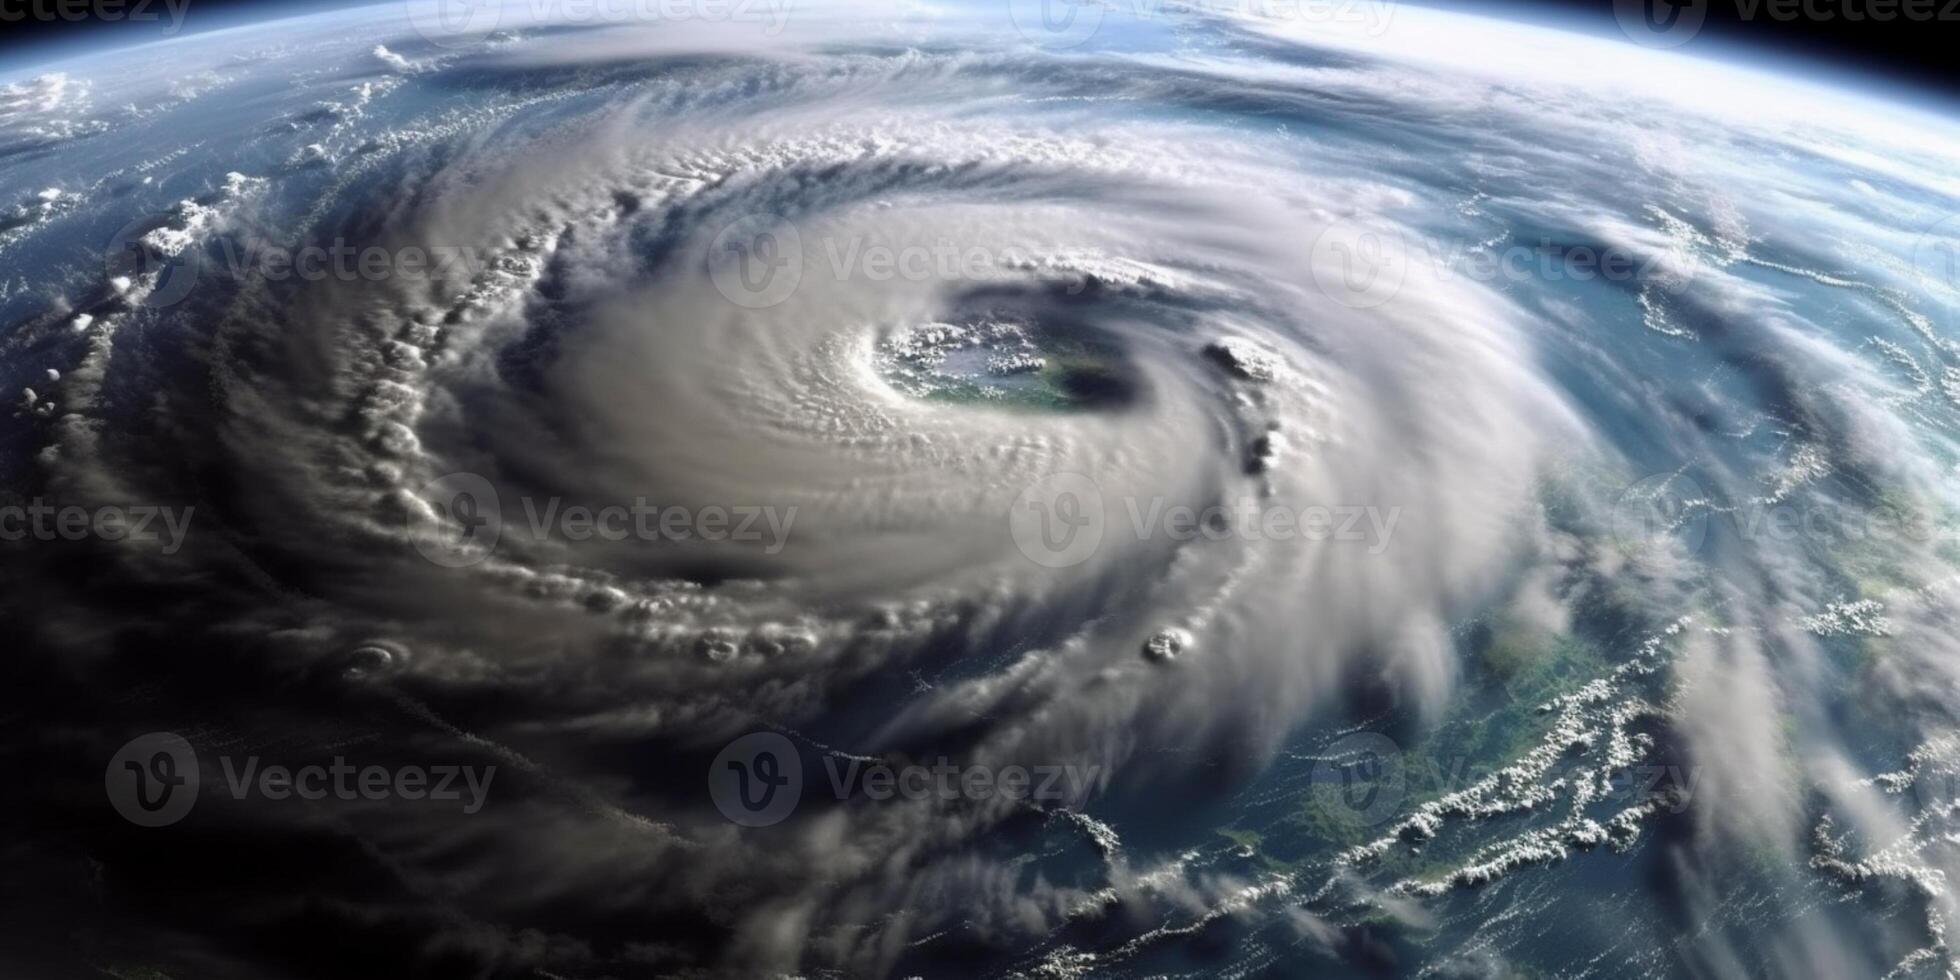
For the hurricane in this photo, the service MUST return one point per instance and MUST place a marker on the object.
(958, 489)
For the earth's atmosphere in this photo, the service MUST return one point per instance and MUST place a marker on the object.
(1410, 493)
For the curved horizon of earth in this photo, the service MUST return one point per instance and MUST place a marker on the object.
(814, 491)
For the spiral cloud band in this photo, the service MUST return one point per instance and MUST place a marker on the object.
(959, 488)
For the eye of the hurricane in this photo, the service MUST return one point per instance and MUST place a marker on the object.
(1010, 361)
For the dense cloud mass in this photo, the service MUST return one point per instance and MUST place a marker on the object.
(1174, 406)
